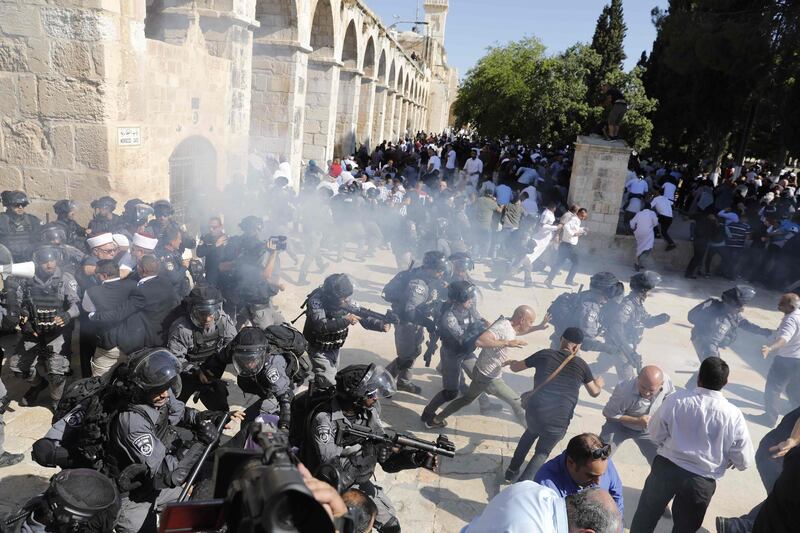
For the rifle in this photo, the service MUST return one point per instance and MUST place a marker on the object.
(433, 341)
(442, 445)
(362, 312)
(4, 402)
(196, 470)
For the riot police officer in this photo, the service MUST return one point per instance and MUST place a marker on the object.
(104, 218)
(44, 306)
(624, 326)
(358, 388)
(583, 310)
(79, 499)
(715, 323)
(65, 216)
(327, 324)
(459, 325)
(260, 371)
(462, 266)
(202, 332)
(53, 234)
(18, 229)
(414, 294)
(146, 440)
(162, 209)
(168, 251)
(135, 217)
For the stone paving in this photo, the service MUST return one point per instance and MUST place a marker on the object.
(427, 502)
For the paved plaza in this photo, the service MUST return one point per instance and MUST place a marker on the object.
(427, 502)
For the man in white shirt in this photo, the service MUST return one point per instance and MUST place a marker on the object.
(487, 377)
(637, 189)
(785, 367)
(643, 225)
(571, 231)
(662, 205)
(473, 167)
(699, 435)
(527, 507)
(434, 162)
(527, 176)
(450, 164)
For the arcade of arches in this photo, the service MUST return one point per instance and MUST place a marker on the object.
(154, 98)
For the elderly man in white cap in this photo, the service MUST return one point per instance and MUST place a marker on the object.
(124, 259)
(143, 244)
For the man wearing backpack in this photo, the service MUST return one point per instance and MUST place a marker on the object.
(201, 332)
(327, 325)
(715, 323)
(414, 294)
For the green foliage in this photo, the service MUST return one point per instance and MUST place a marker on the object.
(607, 41)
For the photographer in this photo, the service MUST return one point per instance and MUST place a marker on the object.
(249, 276)
(349, 462)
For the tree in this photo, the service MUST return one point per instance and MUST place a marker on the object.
(607, 41)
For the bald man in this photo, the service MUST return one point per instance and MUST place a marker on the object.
(785, 369)
(487, 375)
(630, 406)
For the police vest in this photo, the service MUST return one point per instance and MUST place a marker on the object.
(203, 346)
(17, 235)
(325, 341)
(46, 301)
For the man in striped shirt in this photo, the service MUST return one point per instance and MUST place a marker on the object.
(736, 235)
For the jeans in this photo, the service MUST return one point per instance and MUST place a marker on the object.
(692, 494)
(548, 436)
(565, 251)
(782, 372)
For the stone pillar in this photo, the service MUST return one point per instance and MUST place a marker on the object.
(398, 107)
(598, 179)
(319, 127)
(347, 112)
(366, 109)
(277, 105)
(379, 113)
(388, 120)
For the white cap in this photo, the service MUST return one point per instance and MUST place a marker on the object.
(143, 241)
(100, 240)
(121, 240)
(187, 254)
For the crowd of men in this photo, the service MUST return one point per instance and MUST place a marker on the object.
(126, 319)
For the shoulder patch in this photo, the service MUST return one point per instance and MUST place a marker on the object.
(324, 433)
(169, 266)
(143, 443)
(75, 418)
(73, 285)
(273, 375)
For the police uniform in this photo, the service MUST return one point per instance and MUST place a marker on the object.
(624, 326)
(19, 233)
(720, 328)
(458, 328)
(355, 464)
(421, 295)
(274, 389)
(172, 268)
(326, 330)
(251, 293)
(72, 258)
(42, 342)
(192, 346)
(76, 234)
(144, 435)
(585, 316)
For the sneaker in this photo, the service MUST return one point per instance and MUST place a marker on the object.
(434, 423)
(496, 286)
(548, 283)
(671, 247)
(33, 393)
(10, 459)
(407, 386)
(721, 524)
(511, 475)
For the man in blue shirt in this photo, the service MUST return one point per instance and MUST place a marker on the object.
(584, 464)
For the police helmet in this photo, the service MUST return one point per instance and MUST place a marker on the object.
(53, 234)
(373, 193)
(138, 213)
(104, 202)
(605, 283)
(359, 382)
(82, 499)
(251, 222)
(338, 285)
(434, 260)
(156, 370)
(64, 207)
(12, 198)
(461, 291)
(45, 254)
(162, 208)
(645, 281)
(462, 260)
(739, 295)
(205, 300)
(249, 351)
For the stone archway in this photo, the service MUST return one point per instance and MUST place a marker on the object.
(193, 178)
(349, 94)
(366, 103)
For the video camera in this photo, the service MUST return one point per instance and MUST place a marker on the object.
(278, 242)
(255, 490)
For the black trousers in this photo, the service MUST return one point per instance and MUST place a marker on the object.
(664, 224)
(697, 258)
(214, 395)
(565, 251)
(667, 480)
